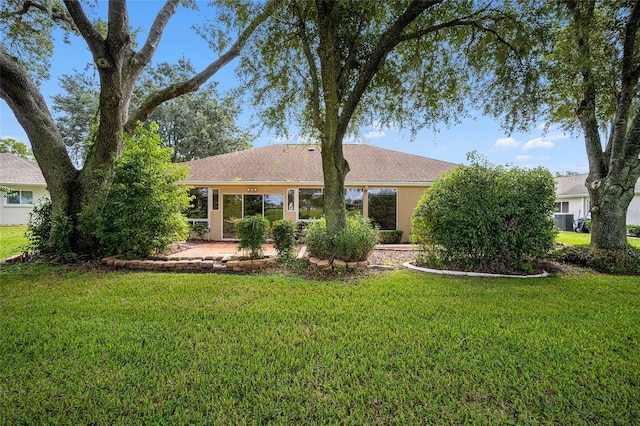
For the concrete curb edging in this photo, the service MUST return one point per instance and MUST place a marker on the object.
(544, 274)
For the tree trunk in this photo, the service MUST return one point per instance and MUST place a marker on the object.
(609, 204)
(335, 169)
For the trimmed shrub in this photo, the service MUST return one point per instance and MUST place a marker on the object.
(199, 228)
(353, 244)
(390, 237)
(317, 240)
(620, 262)
(284, 238)
(39, 226)
(634, 230)
(357, 241)
(486, 218)
(141, 211)
(252, 232)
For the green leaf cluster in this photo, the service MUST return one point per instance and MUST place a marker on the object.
(284, 237)
(353, 244)
(486, 218)
(141, 212)
(252, 232)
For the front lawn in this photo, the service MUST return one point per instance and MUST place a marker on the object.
(575, 238)
(398, 348)
(12, 240)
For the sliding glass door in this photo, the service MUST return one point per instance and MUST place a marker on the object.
(235, 207)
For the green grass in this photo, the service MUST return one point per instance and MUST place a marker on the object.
(12, 240)
(400, 348)
(575, 238)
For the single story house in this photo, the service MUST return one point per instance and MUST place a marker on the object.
(285, 181)
(572, 201)
(27, 185)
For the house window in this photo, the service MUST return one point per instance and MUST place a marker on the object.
(20, 198)
(199, 207)
(273, 207)
(215, 199)
(353, 199)
(239, 206)
(562, 207)
(311, 202)
(383, 207)
(291, 200)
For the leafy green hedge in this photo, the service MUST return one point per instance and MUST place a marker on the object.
(486, 218)
(620, 262)
(252, 232)
(141, 212)
(354, 244)
(634, 230)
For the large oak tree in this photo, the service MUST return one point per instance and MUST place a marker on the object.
(591, 74)
(27, 28)
(331, 66)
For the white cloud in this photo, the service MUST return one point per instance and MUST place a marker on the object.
(506, 143)
(524, 158)
(537, 143)
(375, 134)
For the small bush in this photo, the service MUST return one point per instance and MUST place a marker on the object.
(353, 244)
(141, 211)
(252, 232)
(634, 230)
(620, 262)
(317, 240)
(39, 226)
(390, 237)
(62, 229)
(199, 228)
(284, 238)
(357, 241)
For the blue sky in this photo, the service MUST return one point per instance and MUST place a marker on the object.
(553, 149)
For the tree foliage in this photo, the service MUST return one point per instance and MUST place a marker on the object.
(330, 67)
(589, 66)
(27, 29)
(194, 125)
(486, 218)
(15, 147)
(141, 211)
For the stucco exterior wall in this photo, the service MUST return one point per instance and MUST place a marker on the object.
(13, 214)
(407, 200)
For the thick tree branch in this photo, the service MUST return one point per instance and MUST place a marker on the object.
(31, 111)
(313, 69)
(118, 30)
(92, 37)
(188, 86)
(388, 41)
(144, 55)
(628, 88)
(53, 12)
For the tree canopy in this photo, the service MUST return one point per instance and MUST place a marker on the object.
(195, 125)
(27, 40)
(331, 66)
(589, 69)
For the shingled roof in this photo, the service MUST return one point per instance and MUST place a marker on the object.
(572, 186)
(18, 171)
(288, 163)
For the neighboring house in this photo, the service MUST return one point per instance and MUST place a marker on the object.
(286, 181)
(572, 201)
(27, 185)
